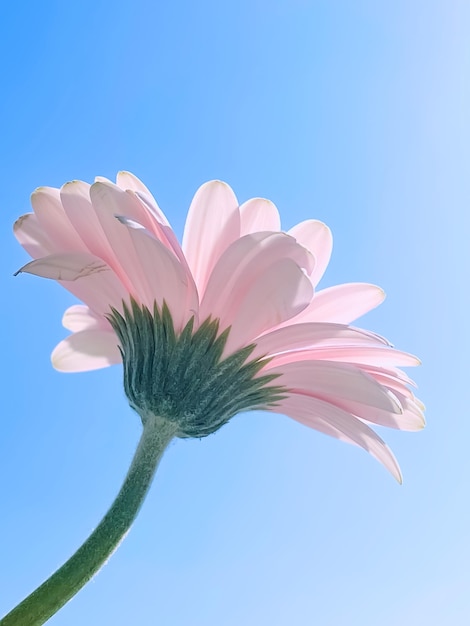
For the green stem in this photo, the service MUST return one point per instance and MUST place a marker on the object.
(43, 603)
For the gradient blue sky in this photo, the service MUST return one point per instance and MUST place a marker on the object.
(353, 112)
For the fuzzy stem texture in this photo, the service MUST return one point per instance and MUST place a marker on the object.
(47, 599)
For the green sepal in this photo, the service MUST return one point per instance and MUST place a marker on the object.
(183, 377)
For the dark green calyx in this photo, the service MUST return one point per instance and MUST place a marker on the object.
(182, 377)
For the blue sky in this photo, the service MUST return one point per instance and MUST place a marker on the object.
(356, 113)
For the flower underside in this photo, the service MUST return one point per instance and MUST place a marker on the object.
(270, 339)
(182, 377)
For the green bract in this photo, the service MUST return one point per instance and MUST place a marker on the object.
(182, 377)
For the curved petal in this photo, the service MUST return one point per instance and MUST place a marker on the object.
(313, 334)
(333, 421)
(316, 237)
(80, 317)
(213, 223)
(275, 295)
(356, 355)
(411, 418)
(127, 181)
(342, 303)
(358, 399)
(168, 280)
(109, 202)
(86, 350)
(32, 237)
(392, 377)
(162, 231)
(241, 264)
(100, 292)
(53, 220)
(75, 198)
(65, 266)
(84, 275)
(124, 203)
(258, 215)
(331, 381)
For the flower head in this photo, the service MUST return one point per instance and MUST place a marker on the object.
(229, 321)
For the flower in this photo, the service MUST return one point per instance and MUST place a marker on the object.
(228, 321)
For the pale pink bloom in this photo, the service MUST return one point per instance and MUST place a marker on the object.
(107, 243)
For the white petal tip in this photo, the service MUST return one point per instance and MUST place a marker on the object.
(70, 184)
(216, 183)
(391, 464)
(19, 222)
(381, 293)
(323, 226)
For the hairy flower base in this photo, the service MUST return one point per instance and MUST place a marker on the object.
(181, 377)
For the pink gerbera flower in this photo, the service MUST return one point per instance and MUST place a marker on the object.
(228, 321)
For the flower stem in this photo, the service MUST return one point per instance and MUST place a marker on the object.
(47, 599)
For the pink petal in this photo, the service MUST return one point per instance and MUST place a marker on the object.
(337, 423)
(342, 303)
(213, 223)
(80, 317)
(125, 203)
(280, 292)
(86, 350)
(257, 215)
(84, 275)
(411, 418)
(331, 381)
(75, 197)
(360, 355)
(167, 278)
(313, 334)
(127, 181)
(32, 237)
(53, 220)
(162, 231)
(100, 292)
(63, 266)
(109, 202)
(241, 265)
(393, 378)
(133, 205)
(316, 237)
